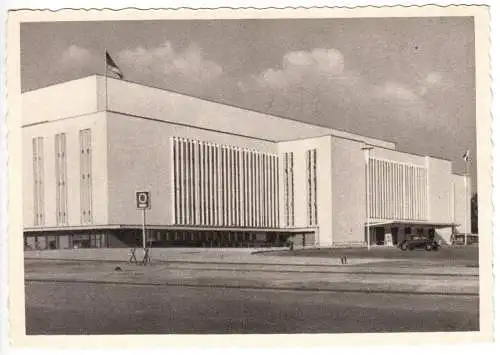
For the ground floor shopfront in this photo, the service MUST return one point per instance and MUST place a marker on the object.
(387, 233)
(164, 238)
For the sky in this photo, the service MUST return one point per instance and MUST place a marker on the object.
(406, 80)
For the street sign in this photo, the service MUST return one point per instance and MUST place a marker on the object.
(143, 199)
(143, 202)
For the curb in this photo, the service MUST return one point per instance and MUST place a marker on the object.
(311, 289)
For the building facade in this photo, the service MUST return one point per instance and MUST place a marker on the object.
(217, 175)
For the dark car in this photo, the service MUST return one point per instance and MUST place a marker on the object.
(418, 242)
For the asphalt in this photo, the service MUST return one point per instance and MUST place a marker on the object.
(362, 277)
(193, 291)
(89, 308)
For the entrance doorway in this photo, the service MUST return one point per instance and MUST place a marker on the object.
(379, 235)
(394, 232)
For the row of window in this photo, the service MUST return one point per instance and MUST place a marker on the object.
(229, 186)
(312, 190)
(77, 241)
(206, 236)
(38, 182)
(312, 187)
(224, 185)
(397, 190)
(288, 188)
(86, 176)
(61, 178)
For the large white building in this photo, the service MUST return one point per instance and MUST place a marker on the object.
(218, 175)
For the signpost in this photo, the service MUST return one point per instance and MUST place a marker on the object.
(143, 201)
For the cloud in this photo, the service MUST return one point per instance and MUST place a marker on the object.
(318, 86)
(187, 69)
(432, 81)
(76, 55)
(397, 91)
(433, 78)
(321, 75)
(299, 67)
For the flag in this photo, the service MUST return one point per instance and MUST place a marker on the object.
(112, 67)
(466, 156)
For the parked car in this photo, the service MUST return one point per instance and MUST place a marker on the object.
(418, 242)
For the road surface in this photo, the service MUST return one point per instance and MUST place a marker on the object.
(89, 308)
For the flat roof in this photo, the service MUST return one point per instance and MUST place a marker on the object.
(333, 131)
(413, 223)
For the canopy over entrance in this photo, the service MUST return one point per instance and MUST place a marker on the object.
(392, 232)
(416, 224)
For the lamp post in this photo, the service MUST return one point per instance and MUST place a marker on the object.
(367, 150)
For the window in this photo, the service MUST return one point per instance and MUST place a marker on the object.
(397, 190)
(61, 179)
(312, 210)
(289, 189)
(86, 176)
(223, 185)
(38, 182)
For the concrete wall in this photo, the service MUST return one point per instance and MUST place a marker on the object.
(396, 156)
(132, 153)
(461, 204)
(155, 103)
(348, 191)
(440, 190)
(69, 99)
(324, 184)
(96, 122)
(141, 158)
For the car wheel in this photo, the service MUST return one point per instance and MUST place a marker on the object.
(404, 246)
(428, 247)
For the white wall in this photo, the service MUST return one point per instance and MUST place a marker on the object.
(440, 190)
(324, 184)
(396, 156)
(140, 158)
(461, 203)
(348, 191)
(96, 122)
(145, 101)
(68, 99)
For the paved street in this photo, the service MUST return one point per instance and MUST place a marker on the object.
(86, 308)
(233, 291)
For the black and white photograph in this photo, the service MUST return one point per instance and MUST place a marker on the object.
(268, 172)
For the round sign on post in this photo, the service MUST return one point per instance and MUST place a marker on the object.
(143, 199)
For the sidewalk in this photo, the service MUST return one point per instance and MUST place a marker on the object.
(238, 258)
(257, 279)
(240, 269)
